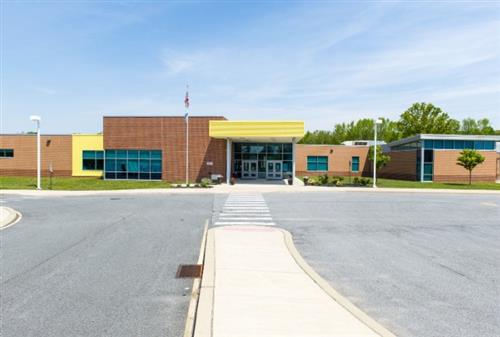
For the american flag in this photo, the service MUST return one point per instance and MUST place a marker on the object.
(186, 100)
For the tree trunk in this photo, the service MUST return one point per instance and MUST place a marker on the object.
(470, 177)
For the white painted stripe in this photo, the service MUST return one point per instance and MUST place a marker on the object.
(249, 223)
(238, 207)
(245, 211)
(245, 218)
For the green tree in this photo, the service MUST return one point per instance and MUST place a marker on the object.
(382, 158)
(426, 118)
(469, 159)
(471, 126)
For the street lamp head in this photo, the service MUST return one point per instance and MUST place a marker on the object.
(378, 121)
(35, 118)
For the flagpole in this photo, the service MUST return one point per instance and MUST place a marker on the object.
(187, 146)
(186, 104)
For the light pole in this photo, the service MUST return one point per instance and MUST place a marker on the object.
(37, 119)
(377, 123)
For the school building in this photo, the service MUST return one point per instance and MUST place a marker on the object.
(154, 148)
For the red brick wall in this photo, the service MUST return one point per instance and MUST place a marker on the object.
(403, 165)
(169, 135)
(338, 159)
(446, 169)
(55, 149)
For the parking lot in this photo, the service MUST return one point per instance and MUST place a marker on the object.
(421, 264)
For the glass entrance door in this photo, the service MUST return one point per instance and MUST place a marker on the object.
(249, 169)
(274, 169)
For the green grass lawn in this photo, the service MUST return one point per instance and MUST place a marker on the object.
(393, 183)
(77, 184)
(416, 184)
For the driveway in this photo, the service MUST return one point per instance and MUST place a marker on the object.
(100, 265)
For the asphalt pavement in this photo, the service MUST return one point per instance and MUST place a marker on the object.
(99, 265)
(421, 264)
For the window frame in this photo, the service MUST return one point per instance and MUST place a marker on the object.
(96, 159)
(355, 163)
(315, 160)
(4, 152)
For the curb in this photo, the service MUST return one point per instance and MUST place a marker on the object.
(205, 313)
(327, 288)
(195, 291)
(12, 218)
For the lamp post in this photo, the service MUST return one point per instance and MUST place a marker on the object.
(377, 123)
(37, 119)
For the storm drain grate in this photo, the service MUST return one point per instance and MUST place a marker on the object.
(189, 270)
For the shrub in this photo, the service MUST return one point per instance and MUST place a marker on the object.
(364, 181)
(323, 179)
(205, 182)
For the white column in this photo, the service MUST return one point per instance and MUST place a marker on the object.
(39, 159)
(375, 159)
(228, 161)
(421, 161)
(294, 142)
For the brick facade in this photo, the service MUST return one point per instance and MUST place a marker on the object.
(446, 169)
(55, 149)
(169, 135)
(403, 165)
(338, 159)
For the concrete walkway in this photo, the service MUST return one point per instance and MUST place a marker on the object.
(256, 284)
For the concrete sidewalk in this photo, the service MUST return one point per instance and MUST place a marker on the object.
(256, 284)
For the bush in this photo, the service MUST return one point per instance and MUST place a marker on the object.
(205, 182)
(361, 181)
(323, 179)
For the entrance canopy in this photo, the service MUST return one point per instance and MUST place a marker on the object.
(257, 131)
(262, 149)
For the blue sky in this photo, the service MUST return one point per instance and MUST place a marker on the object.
(324, 62)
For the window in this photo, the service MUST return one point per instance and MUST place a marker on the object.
(355, 164)
(133, 164)
(317, 163)
(6, 153)
(92, 160)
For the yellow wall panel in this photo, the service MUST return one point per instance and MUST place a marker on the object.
(81, 142)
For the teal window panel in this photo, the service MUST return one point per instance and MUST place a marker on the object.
(155, 165)
(110, 154)
(312, 166)
(458, 144)
(489, 145)
(88, 155)
(110, 165)
(428, 143)
(155, 154)
(355, 164)
(144, 154)
(99, 154)
(428, 168)
(468, 144)
(317, 163)
(133, 154)
(133, 165)
(121, 154)
(448, 144)
(287, 148)
(438, 144)
(427, 177)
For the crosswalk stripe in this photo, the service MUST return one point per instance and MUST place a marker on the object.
(248, 223)
(244, 209)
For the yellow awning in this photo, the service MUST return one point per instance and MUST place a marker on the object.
(257, 131)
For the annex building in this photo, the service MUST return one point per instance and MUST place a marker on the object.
(154, 148)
